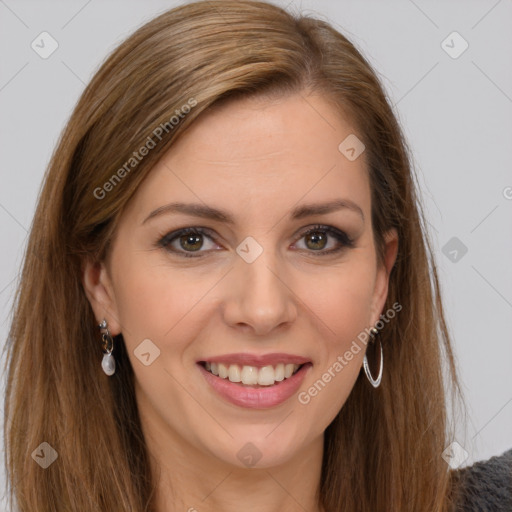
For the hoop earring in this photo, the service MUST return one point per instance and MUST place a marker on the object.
(108, 363)
(374, 382)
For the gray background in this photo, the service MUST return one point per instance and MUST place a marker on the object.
(456, 114)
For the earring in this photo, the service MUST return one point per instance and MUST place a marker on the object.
(374, 382)
(108, 363)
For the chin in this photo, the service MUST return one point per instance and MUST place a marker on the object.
(262, 447)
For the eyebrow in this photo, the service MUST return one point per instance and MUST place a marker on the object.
(299, 212)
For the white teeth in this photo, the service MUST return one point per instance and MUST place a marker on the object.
(279, 372)
(266, 376)
(249, 375)
(223, 371)
(252, 375)
(288, 370)
(234, 373)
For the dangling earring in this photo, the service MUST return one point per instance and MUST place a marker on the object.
(109, 363)
(373, 382)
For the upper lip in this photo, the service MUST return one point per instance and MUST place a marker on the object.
(246, 359)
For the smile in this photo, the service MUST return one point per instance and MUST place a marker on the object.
(252, 375)
(258, 385)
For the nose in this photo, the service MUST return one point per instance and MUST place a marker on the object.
(260, 295)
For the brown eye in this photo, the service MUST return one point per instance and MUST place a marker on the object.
(185, 242)
(317, 239)
(191, 242)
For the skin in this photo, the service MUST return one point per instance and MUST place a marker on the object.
(258, 159)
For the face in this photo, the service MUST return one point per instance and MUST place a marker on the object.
(260, 284)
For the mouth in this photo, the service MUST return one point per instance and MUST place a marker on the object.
(245, 383)
(252, 376)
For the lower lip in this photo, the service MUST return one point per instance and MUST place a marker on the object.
(256, 398)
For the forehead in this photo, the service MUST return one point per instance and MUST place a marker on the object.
(250, 128)
(258, 153)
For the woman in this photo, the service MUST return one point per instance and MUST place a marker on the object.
(226, 300)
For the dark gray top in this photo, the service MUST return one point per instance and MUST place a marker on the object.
(486, 486)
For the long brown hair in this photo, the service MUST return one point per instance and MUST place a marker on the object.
(383, 450)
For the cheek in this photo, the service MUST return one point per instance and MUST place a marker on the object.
(158, 302)
(340, 299)
(341, 304)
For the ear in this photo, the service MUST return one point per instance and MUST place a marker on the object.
(98, 289)
(382, 279)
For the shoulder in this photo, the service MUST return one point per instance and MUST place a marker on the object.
(486, 485)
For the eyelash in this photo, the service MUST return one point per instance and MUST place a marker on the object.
(342, 237)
